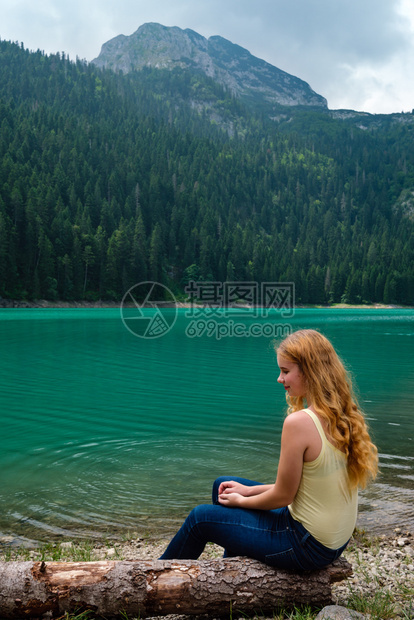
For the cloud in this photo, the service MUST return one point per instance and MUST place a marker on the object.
(346, 50)
(356, 53)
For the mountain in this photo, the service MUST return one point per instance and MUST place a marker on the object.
(232, 66)
(109, 179)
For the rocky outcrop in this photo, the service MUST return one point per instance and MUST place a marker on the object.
(245, 75)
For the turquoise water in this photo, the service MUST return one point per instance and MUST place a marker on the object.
(104, 433)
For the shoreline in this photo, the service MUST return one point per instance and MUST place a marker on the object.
(45, 303)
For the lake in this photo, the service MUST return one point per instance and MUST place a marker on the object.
(105, 433)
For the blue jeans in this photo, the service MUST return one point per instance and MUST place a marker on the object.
(271, 536)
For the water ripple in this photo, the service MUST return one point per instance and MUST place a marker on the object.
(102, 432)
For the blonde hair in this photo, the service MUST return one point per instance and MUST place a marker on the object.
(329, 391)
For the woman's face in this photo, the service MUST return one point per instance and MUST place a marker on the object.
(291, 377)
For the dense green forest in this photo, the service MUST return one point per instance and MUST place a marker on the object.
(107, 180)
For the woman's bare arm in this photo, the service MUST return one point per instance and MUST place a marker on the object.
(230, 486)
(295, 440)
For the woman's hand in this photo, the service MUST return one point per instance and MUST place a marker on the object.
(233, 500)
(230, 486)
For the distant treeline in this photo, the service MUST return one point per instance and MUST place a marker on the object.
(107, 180)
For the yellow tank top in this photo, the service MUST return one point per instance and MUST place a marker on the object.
(324, 503)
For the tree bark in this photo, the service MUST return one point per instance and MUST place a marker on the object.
(156, 588)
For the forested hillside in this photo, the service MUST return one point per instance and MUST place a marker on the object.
(107, 180)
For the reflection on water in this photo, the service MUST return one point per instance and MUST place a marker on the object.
(108, 487)
(104, 434)
(96, 489)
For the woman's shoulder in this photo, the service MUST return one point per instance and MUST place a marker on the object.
(298, 419)
(301, 414)
(299, 430)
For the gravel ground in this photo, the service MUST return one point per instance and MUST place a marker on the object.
(383, 569)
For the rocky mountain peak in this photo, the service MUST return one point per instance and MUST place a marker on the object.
(234, 67)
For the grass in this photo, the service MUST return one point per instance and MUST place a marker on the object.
(406, 594)
(360, 539)
(84, 615)
(84, 551)
(379, 606)
(297, 613)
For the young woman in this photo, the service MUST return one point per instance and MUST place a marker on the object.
(306, 518)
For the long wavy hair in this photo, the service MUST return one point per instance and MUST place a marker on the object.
(329, 391)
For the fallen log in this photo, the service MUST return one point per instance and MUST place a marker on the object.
(156, 588)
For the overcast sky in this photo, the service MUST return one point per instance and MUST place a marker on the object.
(359, 54)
